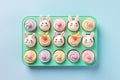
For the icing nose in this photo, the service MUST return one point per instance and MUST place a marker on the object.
(29, 56)
(59, 24)
(28, 25)
(74, 56)
(44, 38)
(74, 38)
(88, 56)
(44, 56)
(90, 24)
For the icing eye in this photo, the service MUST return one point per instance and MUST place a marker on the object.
(91, 40)
(71, 24)
(42, 23)
(31, 41)
(46, 23)
(76, 23)
(86, 40)
(61, 39)
(27, 39)
(56, 39)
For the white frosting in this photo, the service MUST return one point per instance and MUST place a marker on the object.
(44, 24)
(88, 40)
(59, 39)
(73, 25)
(29, 40)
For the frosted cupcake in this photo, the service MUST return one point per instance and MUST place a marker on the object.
(29, 40)
(59, 39)
(44, 56)
(88, 56)
(45, 39)
(73, 56)
(74, 39)
(30, 56)
(88, 39)
(88, 24)
(73, 24)
(59, 24)
(59, 56)
(30, 25)
(44, 23)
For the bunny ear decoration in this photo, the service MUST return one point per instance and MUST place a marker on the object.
(69, 18)
(41, 18)
(33, 35)
(55, 34)
(62, 34)
(48, 18)
(83, 34)
(25, 35)
(92, 34)
(76, 18)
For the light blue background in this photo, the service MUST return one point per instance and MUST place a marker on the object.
(107, 13)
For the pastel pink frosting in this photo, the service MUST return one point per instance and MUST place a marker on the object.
(88, 56)
(59, 24)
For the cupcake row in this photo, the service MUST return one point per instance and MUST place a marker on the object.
(59, 56)
(59, 24)
(73, 40)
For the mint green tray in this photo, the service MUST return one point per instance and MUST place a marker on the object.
(52, 47)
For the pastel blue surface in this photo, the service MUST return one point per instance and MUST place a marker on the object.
(106, 12)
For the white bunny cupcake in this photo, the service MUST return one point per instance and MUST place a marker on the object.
(73, 25)
(29, 40)
(44, 23)
(59, 39)
(88, 40)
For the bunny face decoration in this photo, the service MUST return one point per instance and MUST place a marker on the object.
(88, 40)
(73, 25)
(59, 39)
(29, 40)
(44, 23)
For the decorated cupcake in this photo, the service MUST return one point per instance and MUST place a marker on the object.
(73, 56)
(45, 39)
(44, 56)
(88, 24)
(30, 25)
(59, 39)
(59, 56)
(59, 24)
(88, 56)
(30, 56)
(29, 40)
(73, 24)
(74, 39)
(88, 40)
(44, 23)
